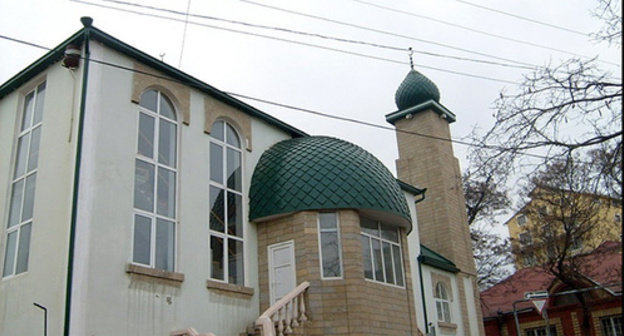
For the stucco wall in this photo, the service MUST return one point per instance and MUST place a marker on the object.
(44, 281)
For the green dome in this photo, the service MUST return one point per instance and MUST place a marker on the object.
(318, 173)
(414, 90)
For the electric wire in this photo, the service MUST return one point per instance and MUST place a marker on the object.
(302, 43)
(292, 107)
(569, 30)
(188, 8)
(537, 45)
(384, 32)
(327, 37)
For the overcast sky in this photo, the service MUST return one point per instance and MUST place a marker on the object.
(329, 81)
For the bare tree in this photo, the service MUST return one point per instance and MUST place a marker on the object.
(566, 215)
(492, 256)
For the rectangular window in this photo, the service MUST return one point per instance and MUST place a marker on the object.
(381, 251)
(22, 195)
(329, 241)
(521, 219)
(611, 325)
(528, 259)
(525, 238)
(541, 331)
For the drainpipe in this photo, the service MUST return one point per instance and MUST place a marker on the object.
(45, 317)
(422, 294)
(86, 22)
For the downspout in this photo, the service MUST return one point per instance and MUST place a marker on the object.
(422, 294)
(422, 288)
(86, 22)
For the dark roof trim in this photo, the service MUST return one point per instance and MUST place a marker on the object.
(430, 257)
(428, 105)
(410, 188)
(57, 53)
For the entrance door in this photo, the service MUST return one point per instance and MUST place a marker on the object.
(281, 269)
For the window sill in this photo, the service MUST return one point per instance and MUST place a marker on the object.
(170, 277)
(226, 287)
(447, 325)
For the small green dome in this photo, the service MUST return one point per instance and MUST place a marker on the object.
(414, 90)
(319, 173)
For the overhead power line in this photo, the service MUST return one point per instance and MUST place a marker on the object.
(287, 106)
(327, 37)
(537, 45)
(384, 32)
(348, 52)
(569, 30)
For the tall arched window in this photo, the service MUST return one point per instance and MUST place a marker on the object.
(155, 183)
(226, 205)
(442, 303)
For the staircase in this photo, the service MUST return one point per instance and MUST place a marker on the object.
(279, 320)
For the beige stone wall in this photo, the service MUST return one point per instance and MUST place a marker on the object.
(442, 221)
(348, 306)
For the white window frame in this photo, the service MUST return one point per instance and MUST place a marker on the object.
(320, 245)
(612, 325)
(223, 186)
(541, 331)
(444, 303)
(18, 227)
(154, 216)
(383, 262)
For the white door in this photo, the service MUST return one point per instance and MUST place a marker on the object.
(282, 278)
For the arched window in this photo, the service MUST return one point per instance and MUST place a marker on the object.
(226, 205)
(155, 183)
(442, 303)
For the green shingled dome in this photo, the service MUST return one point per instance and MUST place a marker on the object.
(414, 90)
(318, 173)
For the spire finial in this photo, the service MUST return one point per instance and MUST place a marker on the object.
(411, 52)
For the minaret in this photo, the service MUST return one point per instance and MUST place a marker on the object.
(426, 160)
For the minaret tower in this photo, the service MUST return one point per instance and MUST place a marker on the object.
(426, 160)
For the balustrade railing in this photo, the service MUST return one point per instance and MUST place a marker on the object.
(285, 314)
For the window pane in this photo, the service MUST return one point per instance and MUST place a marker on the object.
(39, 105)
(232, 137)
(234, 169)
(165, 244)
(33, 154)
(368, 261)
(217, 130)
(447, 312)
(22, 152)
(387, 255)
(144, 186)
(439, 310)
(166, 192)
(166, 107)
(398, 266)
(16, 202)
(389, 233)
(142, 237)
(217, 207)
(369, 226)
(235, 262)
(330, 254)
(146, 135)
(216, 249)
(235, 214)
(167, 143)
(29, 102)
(148, 100)
(23, 249)
(216, 163)
(29, 197)
(377, 260)
(9, 255)
(328, 221)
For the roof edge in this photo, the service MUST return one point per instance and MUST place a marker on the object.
(410, 188)
(428, 105)
(436, 260)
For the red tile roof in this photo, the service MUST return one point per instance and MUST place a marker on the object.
(602, 266)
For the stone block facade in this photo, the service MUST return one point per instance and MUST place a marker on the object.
(351, 305)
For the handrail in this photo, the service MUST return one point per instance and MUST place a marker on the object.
(289, 309)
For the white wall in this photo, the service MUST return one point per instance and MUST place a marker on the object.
(44, 282)
(430, 303)
(413, 244)
(112, 301)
